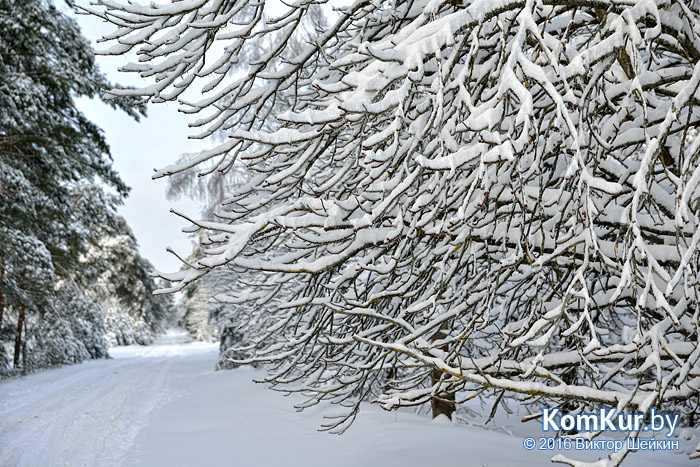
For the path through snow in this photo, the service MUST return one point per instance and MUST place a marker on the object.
(164, 405)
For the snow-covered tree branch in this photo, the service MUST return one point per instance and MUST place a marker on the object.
(448, 196)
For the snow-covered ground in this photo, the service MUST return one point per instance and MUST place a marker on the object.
(164, 405)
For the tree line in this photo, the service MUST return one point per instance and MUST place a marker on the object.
(71, 279)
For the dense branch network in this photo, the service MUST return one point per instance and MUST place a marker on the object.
(504, 191)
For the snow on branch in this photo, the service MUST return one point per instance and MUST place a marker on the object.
(502, 192)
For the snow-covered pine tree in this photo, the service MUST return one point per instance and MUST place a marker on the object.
(118, 279)
(497, 195)
(68, 329)
(58, 191)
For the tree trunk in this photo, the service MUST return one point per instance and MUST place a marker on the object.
(443, 403)
(24, 350)
(2, 308)
(2, 295)
(18, 339)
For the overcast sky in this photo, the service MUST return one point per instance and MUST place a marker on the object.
(138, 148)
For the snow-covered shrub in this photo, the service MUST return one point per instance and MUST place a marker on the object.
(51, 342)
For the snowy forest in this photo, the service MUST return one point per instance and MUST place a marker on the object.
(71, 279)
(416, 204)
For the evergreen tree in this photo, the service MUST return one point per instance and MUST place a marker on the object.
(118, 279)
(68, 330)
(197, 316)
(58, 191)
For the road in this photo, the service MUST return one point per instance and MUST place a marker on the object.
(165, 406)
(88, 414)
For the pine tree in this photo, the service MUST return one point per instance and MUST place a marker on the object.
(490, 196)
(58, 189)
(195, 313)
(118, 279)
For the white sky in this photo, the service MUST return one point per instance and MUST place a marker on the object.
(138, 148)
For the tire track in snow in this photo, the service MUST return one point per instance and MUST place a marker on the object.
(14, 396)
(90, 418)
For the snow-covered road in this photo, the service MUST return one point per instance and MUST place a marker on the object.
(88, 414)
(165, 406)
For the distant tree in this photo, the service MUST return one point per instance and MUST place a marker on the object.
(490, 196)
(118, 279)
(195, 314)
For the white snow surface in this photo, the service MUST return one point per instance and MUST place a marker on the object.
(164, 405)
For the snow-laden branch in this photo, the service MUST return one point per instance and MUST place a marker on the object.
(447, 196)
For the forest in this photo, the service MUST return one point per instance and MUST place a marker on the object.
(71, 279)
